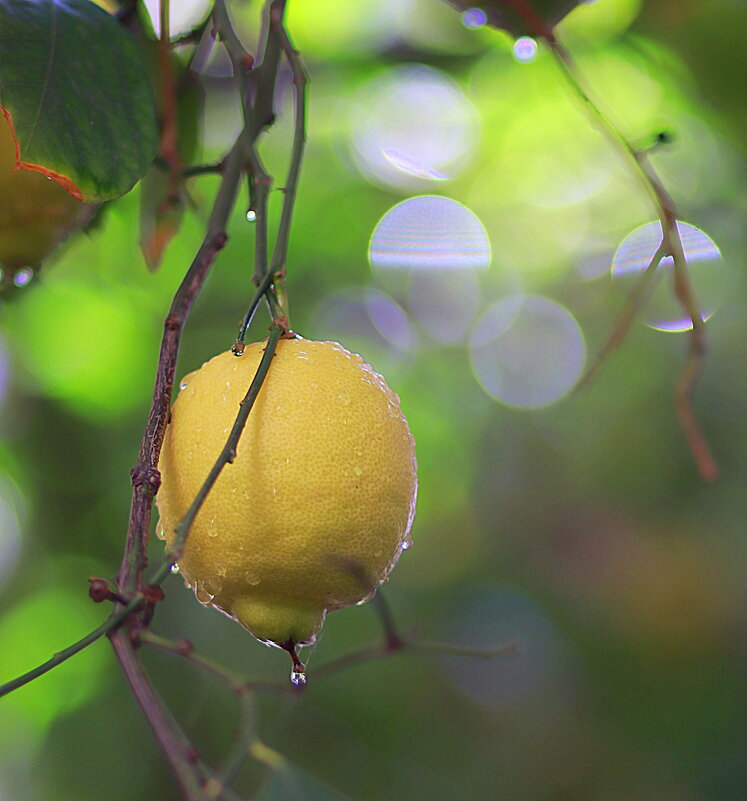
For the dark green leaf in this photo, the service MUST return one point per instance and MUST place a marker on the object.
(74, 86)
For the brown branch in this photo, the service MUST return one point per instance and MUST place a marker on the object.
(671, 242)
(180, 753)
(235, 682)
(625, 320)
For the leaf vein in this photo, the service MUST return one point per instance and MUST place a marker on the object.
(48, 77)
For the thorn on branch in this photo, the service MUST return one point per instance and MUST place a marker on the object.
(281, 322)
(153, 594)
(99, 590)
(183, 646)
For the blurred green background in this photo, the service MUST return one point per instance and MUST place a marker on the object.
(573, 523)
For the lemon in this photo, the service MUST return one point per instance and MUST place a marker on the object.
(35, 212)
(317, 506)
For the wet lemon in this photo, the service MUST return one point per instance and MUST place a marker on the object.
(316, 508)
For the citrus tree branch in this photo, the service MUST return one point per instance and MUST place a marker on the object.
(625, 320)
(228, 454)
(59, 657)
(236, 682)
(179, 751)
(671, 242)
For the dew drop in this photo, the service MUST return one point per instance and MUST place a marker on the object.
(298, 678)
(183, 385)
(406, 544)
(366, 598)
(159, 531)
(213, 585)
(22, 277)
(252, 578)
(251, 215)
(202, 595)
(525, 49)
(174, 568)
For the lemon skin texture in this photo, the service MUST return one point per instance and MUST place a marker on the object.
(317, 506)
(36, 213)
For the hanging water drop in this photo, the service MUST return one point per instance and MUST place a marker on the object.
(22, 277)
(251, 215)
(298, 678)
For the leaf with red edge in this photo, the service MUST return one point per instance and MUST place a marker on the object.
(74, 89)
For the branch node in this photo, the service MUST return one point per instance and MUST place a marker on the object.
(173, 322)
(99, 591)
(153, 594)
(281, 322)
(145, 475)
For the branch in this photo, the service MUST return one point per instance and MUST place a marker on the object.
(671, 241)
(236, 682)
(145, 476)
(622, 326)
(59, 657)
(180, 753)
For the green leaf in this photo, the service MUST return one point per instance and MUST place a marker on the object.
(506, 15)
(75, 90)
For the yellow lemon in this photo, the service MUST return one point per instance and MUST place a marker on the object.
(316, 508)
(36, 213)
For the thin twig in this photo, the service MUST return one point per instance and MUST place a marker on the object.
(411, 642)
(263, 287)
(145, 476)
(671, 240)
(179, 752)
(227, 455)
(58, 658)
(214, 168)
(247, 733)
(300, 90)
(625, 320)
(236, 682)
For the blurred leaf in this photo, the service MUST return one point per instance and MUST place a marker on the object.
(163, 196)
(502, 14)
(32, 630)
(76, 91)
(161, 213)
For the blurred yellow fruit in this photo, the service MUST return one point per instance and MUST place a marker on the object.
(318, 504)
(36, 213)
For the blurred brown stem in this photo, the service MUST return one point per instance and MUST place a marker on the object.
(671, 243)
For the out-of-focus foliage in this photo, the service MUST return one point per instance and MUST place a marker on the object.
(77, 92)
(579, 528)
